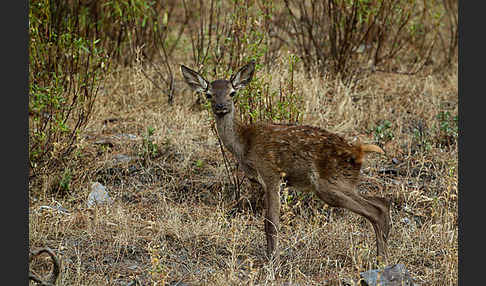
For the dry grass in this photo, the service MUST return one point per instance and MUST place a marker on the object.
(172, 218)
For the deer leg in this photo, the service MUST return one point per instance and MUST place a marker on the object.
(272, 218)
(374, 209)
(384, 208)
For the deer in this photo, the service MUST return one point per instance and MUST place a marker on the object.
(305, 158)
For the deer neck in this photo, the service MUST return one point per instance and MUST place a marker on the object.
(229, 131)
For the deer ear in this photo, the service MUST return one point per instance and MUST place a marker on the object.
(243, 76)
(194, 79)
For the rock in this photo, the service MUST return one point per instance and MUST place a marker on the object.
(391, 275)
(122, 158)
(98, 195)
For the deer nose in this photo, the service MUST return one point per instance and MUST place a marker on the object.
(218, 106)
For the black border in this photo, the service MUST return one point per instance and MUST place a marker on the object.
(471, 117)
(15, 39)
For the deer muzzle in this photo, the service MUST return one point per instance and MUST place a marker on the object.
(220, 109)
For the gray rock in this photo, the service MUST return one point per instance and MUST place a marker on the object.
(391, 275)
(98, 195)
(122, 158)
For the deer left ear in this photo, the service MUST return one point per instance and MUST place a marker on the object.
(243, 76)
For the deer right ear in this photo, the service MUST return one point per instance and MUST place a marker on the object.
(194, 79)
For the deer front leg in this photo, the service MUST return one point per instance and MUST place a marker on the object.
(272, 220)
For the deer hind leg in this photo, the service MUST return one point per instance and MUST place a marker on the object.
(374, 209)
(384, 206)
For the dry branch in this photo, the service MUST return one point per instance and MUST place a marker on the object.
(55, 270)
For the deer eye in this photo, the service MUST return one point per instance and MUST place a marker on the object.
(233, 93)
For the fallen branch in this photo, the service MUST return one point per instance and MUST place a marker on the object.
(51, 281)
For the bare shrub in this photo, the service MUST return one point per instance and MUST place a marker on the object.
(127, 27)
(65, 74)
(225, 34)
(122, 26)
(449, 32)
(347, 37)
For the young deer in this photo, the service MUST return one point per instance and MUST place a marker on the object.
(304, 157)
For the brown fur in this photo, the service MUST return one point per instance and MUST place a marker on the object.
(304, 157)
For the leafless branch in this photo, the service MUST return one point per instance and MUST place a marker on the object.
(233, 179)
(51, 280)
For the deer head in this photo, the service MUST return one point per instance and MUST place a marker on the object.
(220, 92)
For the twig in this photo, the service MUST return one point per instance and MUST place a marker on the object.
(234, 179)
(51, 281)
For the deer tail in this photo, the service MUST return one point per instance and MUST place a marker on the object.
(367, 148)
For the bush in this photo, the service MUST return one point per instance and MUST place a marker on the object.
(65, 72)
(447, 129)
(346, 37)
(228, 34)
